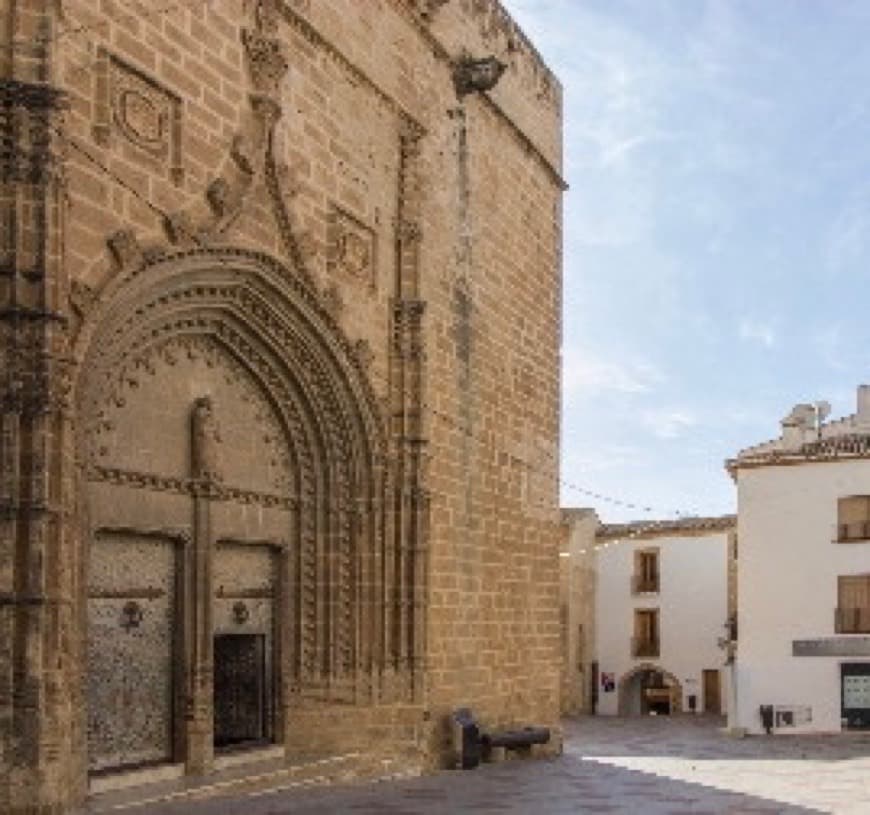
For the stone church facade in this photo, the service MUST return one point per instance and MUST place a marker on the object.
(279, 370)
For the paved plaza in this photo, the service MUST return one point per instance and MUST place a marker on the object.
(649, 766)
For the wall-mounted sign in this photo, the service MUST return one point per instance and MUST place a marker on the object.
(832, 647)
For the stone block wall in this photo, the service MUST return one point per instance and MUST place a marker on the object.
(317, 157)
(579, 579)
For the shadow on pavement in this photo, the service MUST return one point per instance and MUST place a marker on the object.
(566, 785)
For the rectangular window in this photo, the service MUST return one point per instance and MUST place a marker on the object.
(853, 518)
(853, 604)
(646, 633)
(646, 571)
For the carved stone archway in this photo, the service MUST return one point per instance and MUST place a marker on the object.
(625, 687)
(223, 416)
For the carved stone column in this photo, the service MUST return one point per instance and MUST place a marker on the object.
(40, 649)
(205, 472)
(411, 501)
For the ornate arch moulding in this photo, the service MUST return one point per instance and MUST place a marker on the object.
(252, 286)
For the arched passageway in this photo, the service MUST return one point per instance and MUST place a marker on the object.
(649, 689)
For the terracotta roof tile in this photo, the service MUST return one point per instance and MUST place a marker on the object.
(644, 529)
(844, 446)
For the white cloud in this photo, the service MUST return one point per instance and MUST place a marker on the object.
(757, 331)
(585, 375)
(591, 457)
(668, 423)
(616, 83)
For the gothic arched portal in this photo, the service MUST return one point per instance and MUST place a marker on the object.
(233, 491)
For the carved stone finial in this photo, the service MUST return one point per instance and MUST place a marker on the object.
(266, 109)
(332, 302)
(204, 439)
(267, 60)
(124, 248)
(154, 253)
(179, 228)
(288, 179)
(364, 356)
(307, 245)
(267, 16)
(476, 75)
(218, 195)
(428, 8)
(82, 298)
(242, 154)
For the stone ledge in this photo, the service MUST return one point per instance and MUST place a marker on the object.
(263, 776)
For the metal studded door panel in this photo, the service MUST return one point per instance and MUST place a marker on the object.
(131, 611)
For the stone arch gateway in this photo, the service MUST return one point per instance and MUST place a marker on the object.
(233, 493)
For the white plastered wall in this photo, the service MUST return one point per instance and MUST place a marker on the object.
(692, 604)
(787, 577)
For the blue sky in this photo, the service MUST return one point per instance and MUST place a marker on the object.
(717, 233)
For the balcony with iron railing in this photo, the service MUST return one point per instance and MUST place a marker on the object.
(645, 583)
(645, 647)
(853, 531)
(852, 620)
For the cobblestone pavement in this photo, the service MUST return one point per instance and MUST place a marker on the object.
(646, 766)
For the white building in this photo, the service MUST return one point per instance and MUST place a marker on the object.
(804, 574)
(661, 611)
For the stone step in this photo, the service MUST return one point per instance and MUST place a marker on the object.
(258, 778)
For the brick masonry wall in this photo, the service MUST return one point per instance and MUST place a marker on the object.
(494, 425)
(163, 125)
(579, 579)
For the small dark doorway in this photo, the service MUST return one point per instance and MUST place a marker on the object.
(855, 680)
(240, 690)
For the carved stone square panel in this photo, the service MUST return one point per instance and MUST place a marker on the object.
(352, 248)
(139, 109)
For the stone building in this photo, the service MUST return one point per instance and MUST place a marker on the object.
(279, 369)
(577, 589)
(803, 510)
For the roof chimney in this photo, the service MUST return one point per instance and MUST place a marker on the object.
(799, 426)
(864, 403)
